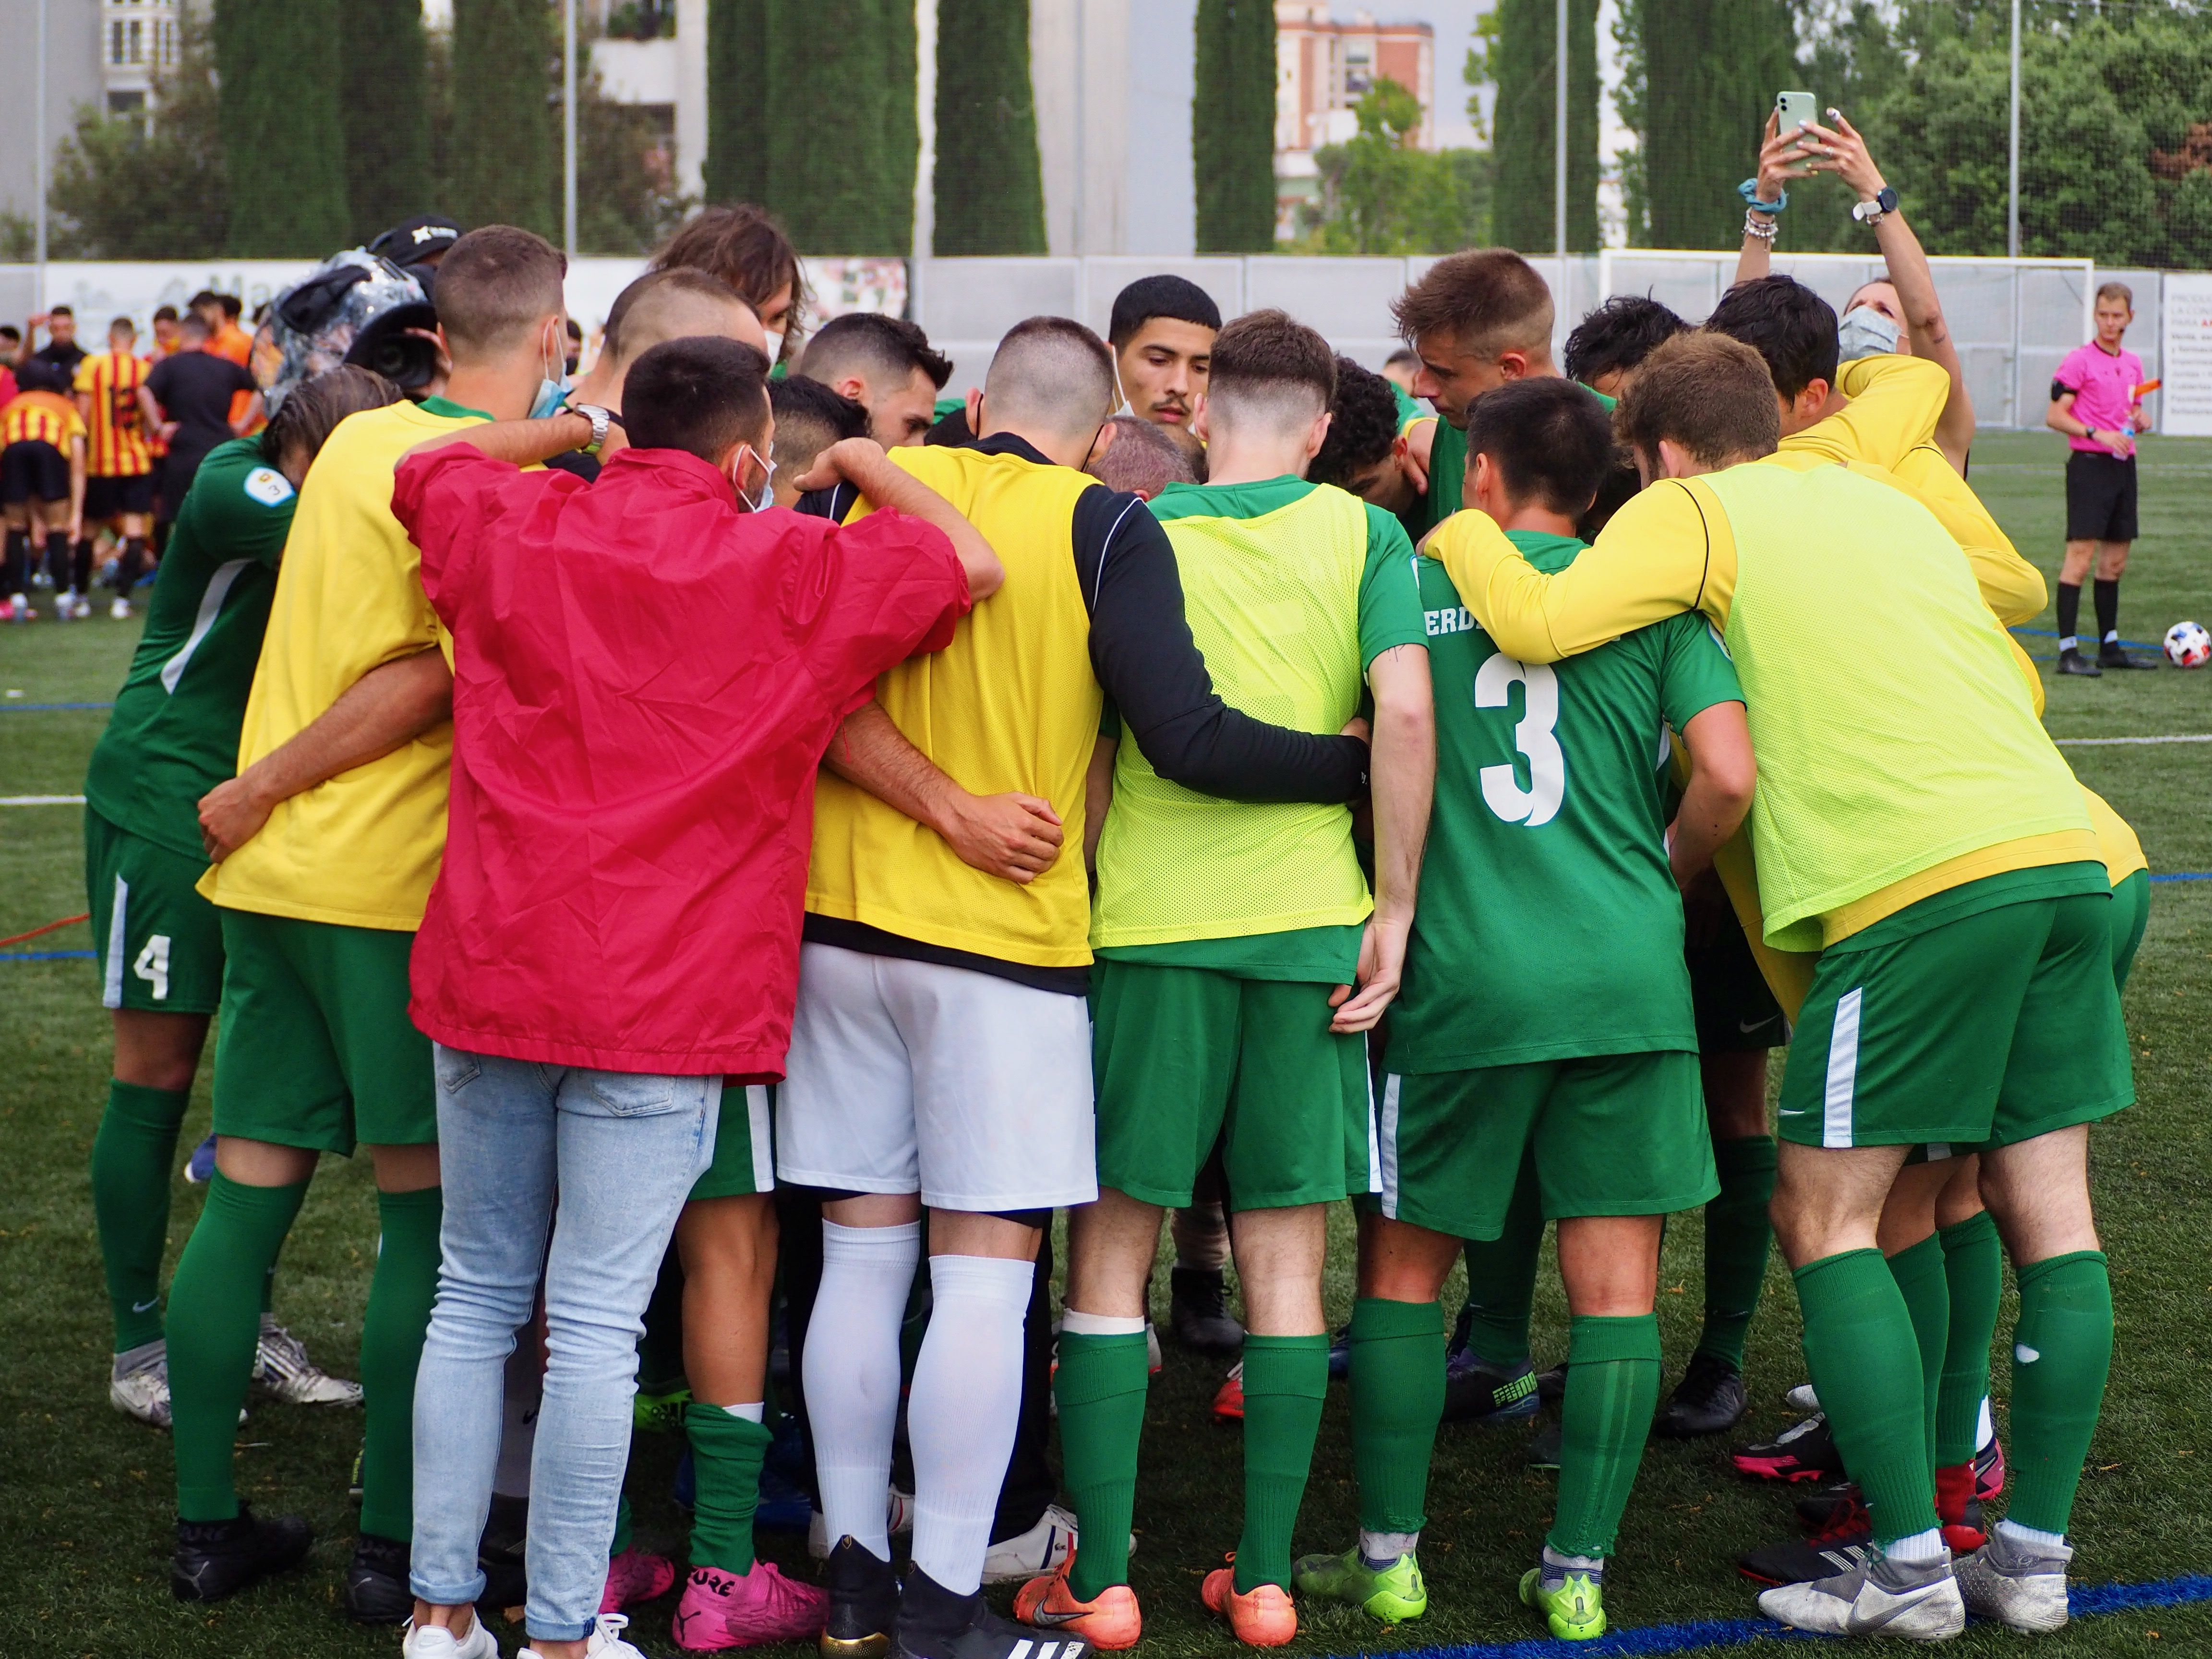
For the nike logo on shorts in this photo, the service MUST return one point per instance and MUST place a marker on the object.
(143, 1307)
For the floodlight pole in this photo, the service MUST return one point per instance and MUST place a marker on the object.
(2012, 191)
(1559, 161)
(569, 126)
(39, 210)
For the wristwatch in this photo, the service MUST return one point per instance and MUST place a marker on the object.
(600, 419)
(1874, 212)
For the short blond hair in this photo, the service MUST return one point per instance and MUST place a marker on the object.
(2119, 291)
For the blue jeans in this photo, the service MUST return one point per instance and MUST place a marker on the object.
(619, 1151)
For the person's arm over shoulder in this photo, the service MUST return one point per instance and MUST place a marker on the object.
(2010, 585)
(1142, 651)
(1894, 405)
(447, 500)
(867, 596)
(1665, 552)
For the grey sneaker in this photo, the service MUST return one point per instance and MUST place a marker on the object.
(142, 1389)
(1918, 1602)
(283, 1370)
(2015, 1582)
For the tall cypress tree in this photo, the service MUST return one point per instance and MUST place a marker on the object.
(901, 118)
(282, 138)
(990, 184)
(506, 147)
(737, 100)
(1232, 126)
(833, 171)
(1526, 120)
(384, 104)
(1711, 69)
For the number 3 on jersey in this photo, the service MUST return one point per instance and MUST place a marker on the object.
(1539, 804)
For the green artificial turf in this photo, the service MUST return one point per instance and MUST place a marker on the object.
(88, 1491)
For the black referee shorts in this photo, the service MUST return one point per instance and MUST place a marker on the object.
(109, 498)
(34, 471)
(2100, 497)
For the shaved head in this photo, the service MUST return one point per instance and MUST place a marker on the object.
(1052, 374)
(675, 305)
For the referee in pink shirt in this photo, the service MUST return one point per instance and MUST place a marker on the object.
(2094, 402)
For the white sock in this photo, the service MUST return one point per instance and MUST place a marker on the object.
(2034, 1538)
(1921, 1549)
(1383, 1549)
(961, 1414)
(1073, 1323)
(756, 1412)
(852, 1370)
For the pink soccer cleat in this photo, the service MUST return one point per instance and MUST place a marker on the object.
(730, 1610)
(635, 1576)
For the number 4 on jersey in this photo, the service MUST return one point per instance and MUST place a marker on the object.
(1539, 804)
(153, 966)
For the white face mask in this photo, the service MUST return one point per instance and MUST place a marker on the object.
(1864, 332)
(553, 382)
(774, 346)
(765, 499)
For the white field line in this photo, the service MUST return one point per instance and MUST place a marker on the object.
(2107, 743)
(42, 800)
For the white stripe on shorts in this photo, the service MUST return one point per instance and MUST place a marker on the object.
(111, 994)
(1843, 1070)
(1374, 1141)
(756, 1111)
(1391, 1084)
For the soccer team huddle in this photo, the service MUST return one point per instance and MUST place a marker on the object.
(724, 830)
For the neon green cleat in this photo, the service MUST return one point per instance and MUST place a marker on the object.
(1394, 1594)
(1575, 1611)
(660, 1411)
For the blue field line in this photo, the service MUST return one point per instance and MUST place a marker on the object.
(2186, 875)
(49, 955)
(1705, 1635)
(2133, 645)
(47, 707)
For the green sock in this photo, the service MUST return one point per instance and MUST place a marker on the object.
(726, 1455)
(215, 1322)
(2061, 1349)
(1501, 1277)
(391, 1330)
(133, 1159)
(620, 1543)
(1737, 1237)
(1919, 1270)
(1612, 1390)
(1101, 1385)
(1865, 1361)
(1285, 1379)
(1974, 1265)
(1397, 1400)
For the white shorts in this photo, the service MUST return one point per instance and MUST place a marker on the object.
(909, 1077)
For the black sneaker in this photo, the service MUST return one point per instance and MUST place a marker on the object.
(2119, 656)
(2073, 662)
(935, 1623)
(376, 1591)
(1198, 1303)
(1803, 1451)
(1545, 1446)
(216, 1558)
(1709, 1400)
(1476, 1391)
(864, 1603)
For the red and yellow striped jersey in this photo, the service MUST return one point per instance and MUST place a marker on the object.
(40, 417)
(116, 431)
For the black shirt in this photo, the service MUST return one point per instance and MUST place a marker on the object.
(65, 358)
(194, 389)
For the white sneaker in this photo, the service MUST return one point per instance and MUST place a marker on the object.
(142, 1392)
(120, 611)
(1801, 1398)
(1043, 1548)
(2015, 1584)
(1919, 1602)
(283, 1370)
(65, 606)
(604, 1641)
(436, 1642)
(19, 609)
(898, 1510)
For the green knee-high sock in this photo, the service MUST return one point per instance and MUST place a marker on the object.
(1919, 1270)
(1973, 1266)
(2061, 1349)
(620, 1541)
(1397, 1400)
(1613, 1389)
(133, 1158)
(1501, 1276)
(391, 1330)
(214, 1321)
(1285, 1379)
(1865, 1361)
(1737, 1237)
(1101, 1386)
(726, 1455)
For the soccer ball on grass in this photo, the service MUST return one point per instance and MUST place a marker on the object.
(2188, 645)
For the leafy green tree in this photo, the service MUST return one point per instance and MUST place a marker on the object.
(1705, 73)
(1523, 62)
(384, 109)
(989, 184)
(737, 100)
(1382, 194)
(1232, 126)
(282, 134)
(833, 174)
(505, 152)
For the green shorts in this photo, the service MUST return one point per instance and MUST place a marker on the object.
(1186, 1056)
(2130, 916)
(161, 942)
(744, 1144)
(1610, 1134)
(316, 1047)
(1993, 1028)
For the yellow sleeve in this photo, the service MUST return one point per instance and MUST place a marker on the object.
(1668, 551)
(2010, 585)
(86, 377)
(1893, 405)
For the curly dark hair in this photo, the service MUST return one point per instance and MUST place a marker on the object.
(1365, 425)
(1619, 335)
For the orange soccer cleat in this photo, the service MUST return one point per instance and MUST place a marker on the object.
(1111, 1619)
(1262, 1617)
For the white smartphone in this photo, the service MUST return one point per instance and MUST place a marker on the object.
(1794, 108)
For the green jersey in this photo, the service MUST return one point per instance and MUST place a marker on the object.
(1548, 925)
(174, 732)
(1448, 471)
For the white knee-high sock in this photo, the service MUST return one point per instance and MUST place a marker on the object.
(960, 1418)
(852, 1370)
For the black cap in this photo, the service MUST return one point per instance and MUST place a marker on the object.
(422, 237)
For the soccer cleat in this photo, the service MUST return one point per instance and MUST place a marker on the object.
(1959, 1507)
(1709, 1400)
(1394, 1594)
(375, 1591)
(1816, 1513)
(1045, 1547)
(2119, 656)
(635, 1576)
(1262, 1617)
(1802, 1398)
(217, 1558)
(1476, 1391)
(1552, 1384)
(746, 1610)
(1574, 1606)
(603, 1641)
(1918, 1601)
(1803, 1451)
(283, 1370)
(1110, 1620)
(1844, 1543)
(1340, 1354)
(661, 1413)
(199, 1168)
(1228, 1399)
(436, 1642)
(1989, 1471)
(862, 1606)
(966, 1628)
(2015, 1584)
(1546, 1445)
(1200, 1314)
(143, 1391)
(2073, 662)
(898, 1521)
